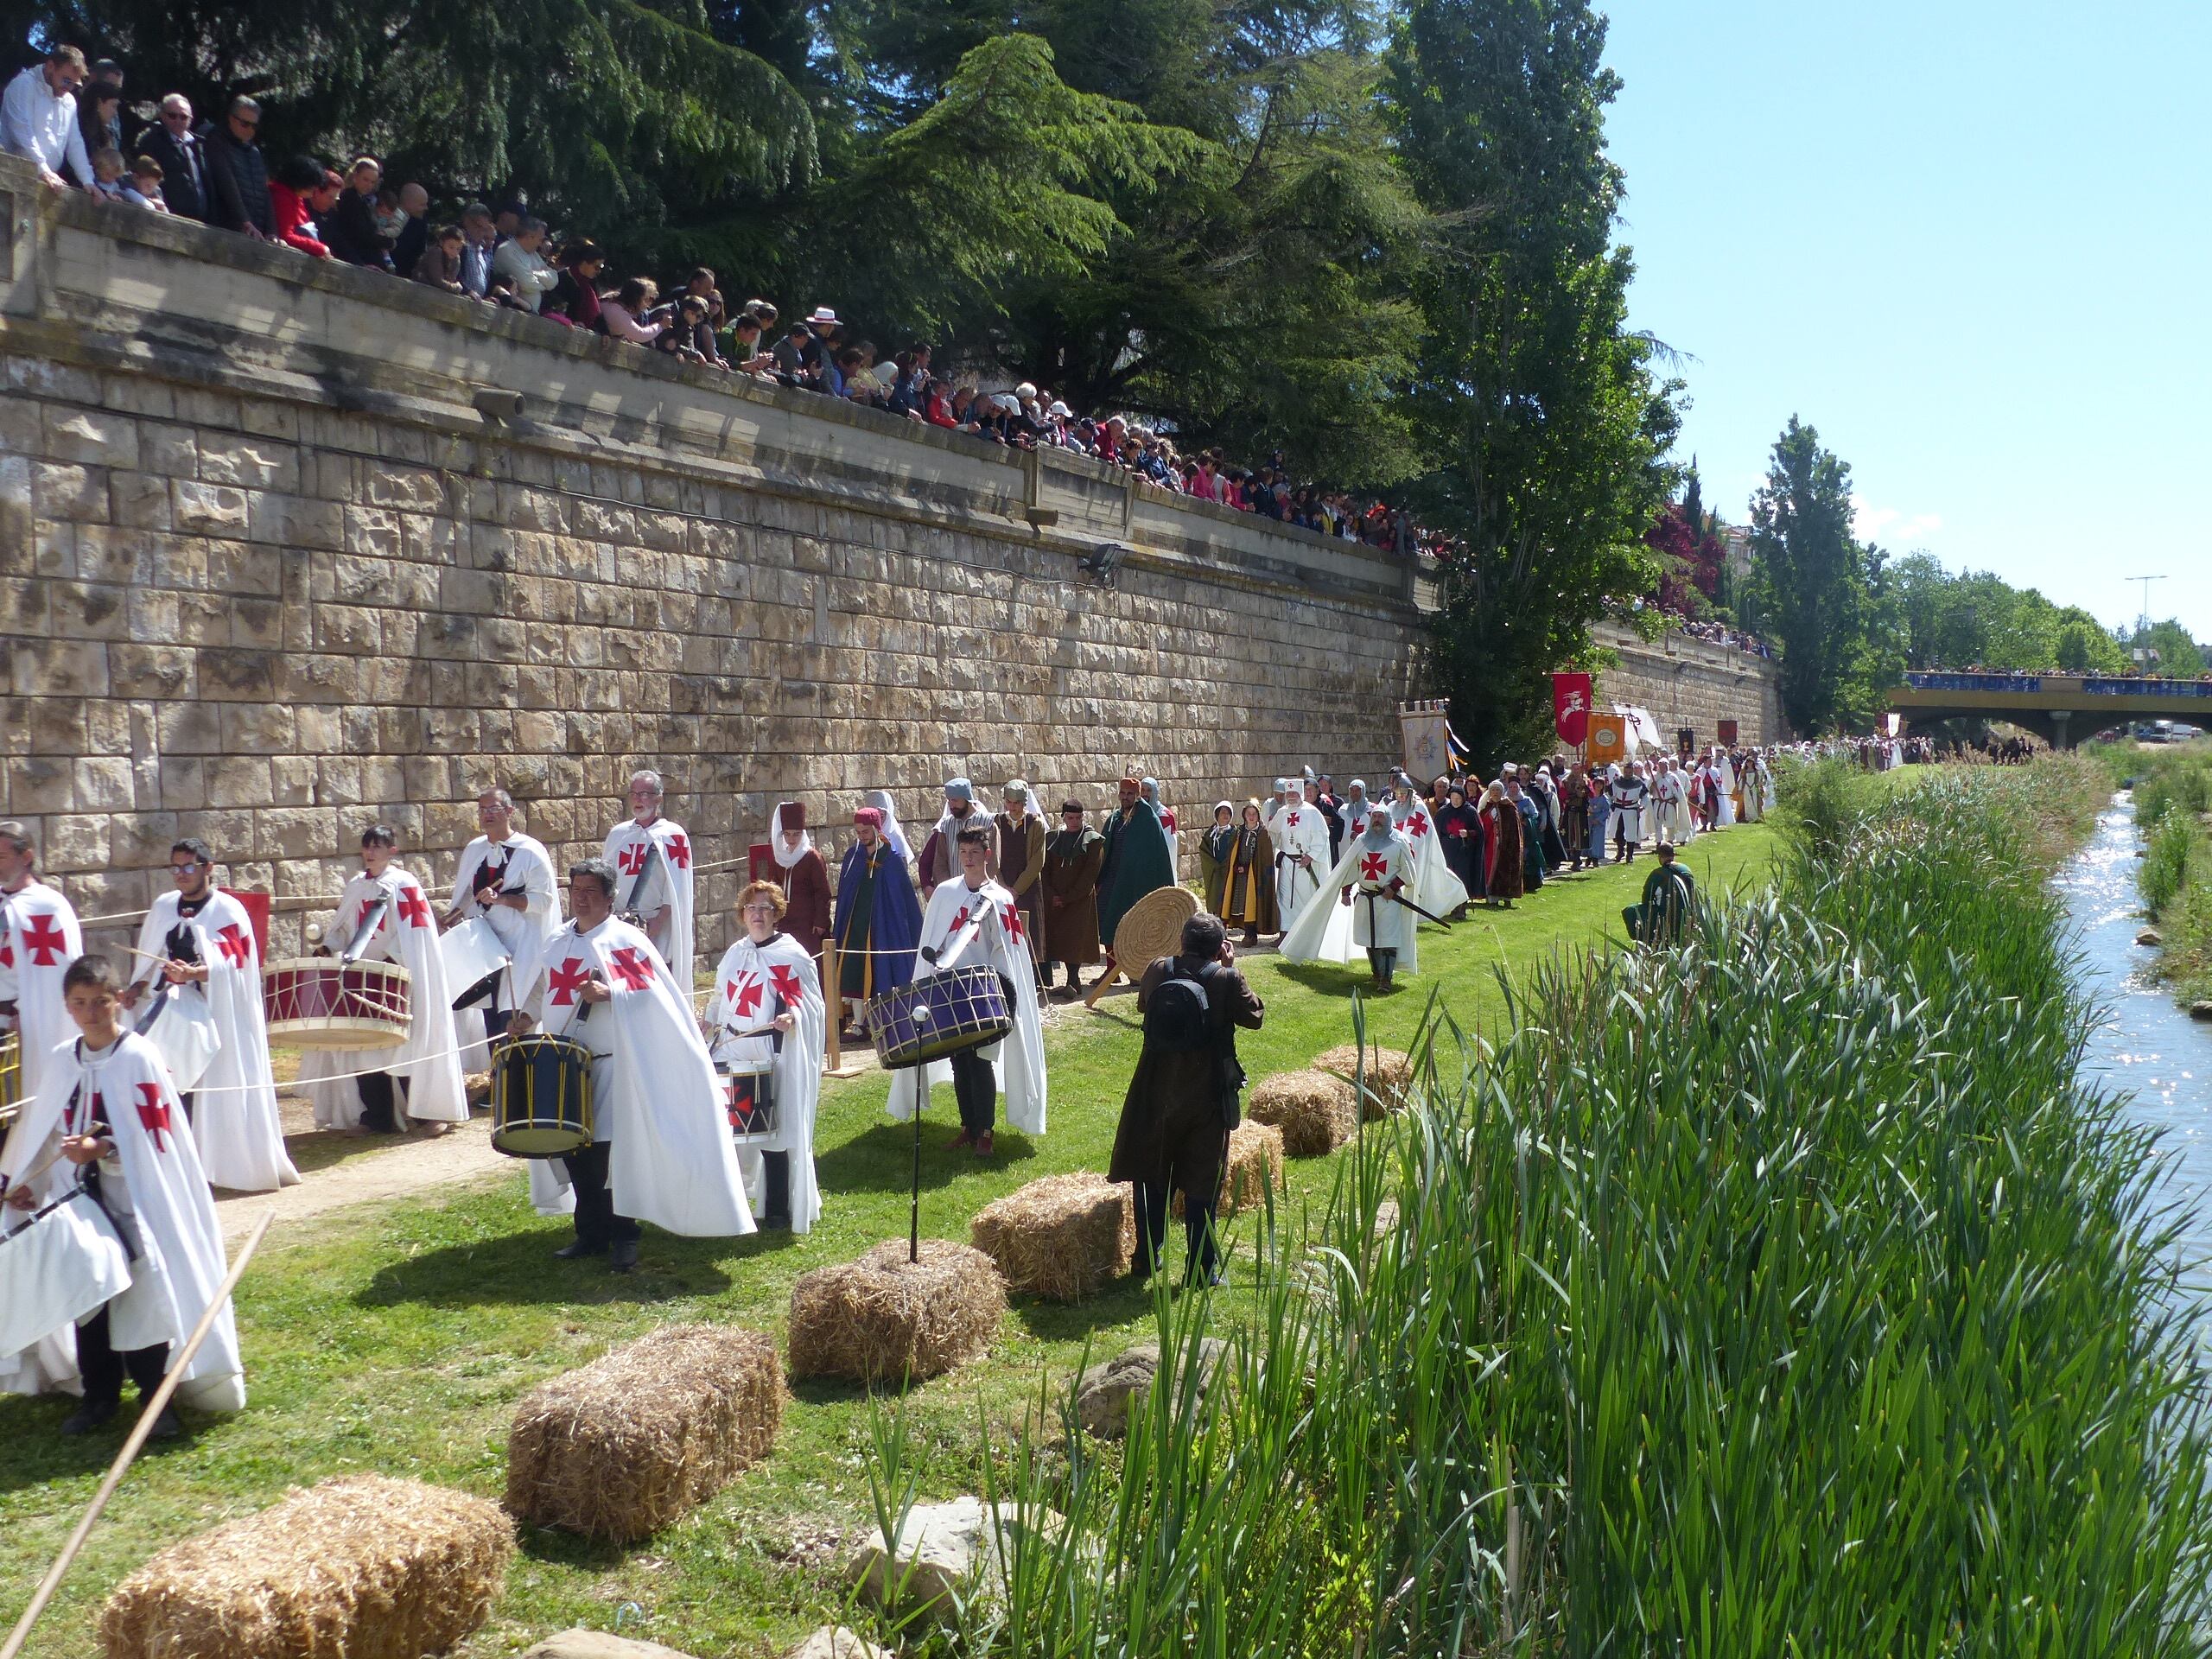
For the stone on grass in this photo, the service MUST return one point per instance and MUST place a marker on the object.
(2149, 936)
(598, 1645)
(836, 1642)
(1104, 1393)
(945, 1555)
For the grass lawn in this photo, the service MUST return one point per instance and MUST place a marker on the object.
(397, 1339)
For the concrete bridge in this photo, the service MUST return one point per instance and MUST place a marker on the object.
(2064, 708)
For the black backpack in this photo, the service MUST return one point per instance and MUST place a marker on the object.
(1178, 1019)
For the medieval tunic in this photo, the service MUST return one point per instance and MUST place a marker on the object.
(1502, 870)
(1357, 911)
(1245, 894)
(234, 1119)
(429, 1059)
(1299, 829)
(1071, 884)
(652, 869)
(1629, 795)
(1574, 817)
(1668, 895)
(879, 919)
(1021, 869)
(1137, 863)
(1001, 943)
(38, 938)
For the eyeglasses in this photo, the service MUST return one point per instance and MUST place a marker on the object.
(240, 120)
(193, 868)
(760, 910)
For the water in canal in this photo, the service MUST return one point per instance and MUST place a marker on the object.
(2147, 1047)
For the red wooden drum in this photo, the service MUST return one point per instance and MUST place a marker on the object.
(749, 1095)
(319, 1003)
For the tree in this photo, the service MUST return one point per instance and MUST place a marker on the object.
(1549, 428)
(1824, 596)
(2178, 656)
(1691, 562)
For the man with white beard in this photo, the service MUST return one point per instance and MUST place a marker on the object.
(652, 856)
(1302, 839)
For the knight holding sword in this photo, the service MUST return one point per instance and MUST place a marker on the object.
(1374, 908)
(652, 856)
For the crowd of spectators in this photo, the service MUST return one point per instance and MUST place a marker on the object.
(72, 119)
(1733, 638)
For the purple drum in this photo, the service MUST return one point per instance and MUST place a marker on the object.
(947, 1013)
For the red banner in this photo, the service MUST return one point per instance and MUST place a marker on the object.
(1571, 707)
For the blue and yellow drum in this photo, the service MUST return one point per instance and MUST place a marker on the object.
(541, 1097)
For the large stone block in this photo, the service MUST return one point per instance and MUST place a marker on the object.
(249, 461)
(95, 436)
(75, 493)
(208, 509)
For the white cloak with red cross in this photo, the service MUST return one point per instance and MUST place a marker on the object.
(753, 985)
(1330, 930)
(38, 938)
(1434, 887)
(430, 1057)
(153, 1182)
(1301, 827)
(234, 1118)
(1002, 942)
(670, 1158)
(669, 884)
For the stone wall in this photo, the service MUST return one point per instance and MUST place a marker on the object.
(1693, 683)
(286, 548)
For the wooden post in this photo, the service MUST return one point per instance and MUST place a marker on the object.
(833, 1064)
(1106, 982)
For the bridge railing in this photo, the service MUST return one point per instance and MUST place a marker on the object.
(1951, 682)
(2197, 690)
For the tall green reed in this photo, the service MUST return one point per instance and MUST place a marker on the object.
(1785, 1293)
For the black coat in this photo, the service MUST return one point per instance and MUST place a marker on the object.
(237, 183)
(183, 196)
(351, 231)
(1177, 1116)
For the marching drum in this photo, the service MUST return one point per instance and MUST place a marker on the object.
(541, 1097)
(749, 1093)
(475, 955)
(321, 1003)
(947, 1013)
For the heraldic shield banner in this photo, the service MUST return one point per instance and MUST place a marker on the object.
(1571, 707)
(1428, 736)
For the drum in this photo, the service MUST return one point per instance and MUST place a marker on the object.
(947, 1013)
(321, 1003)
(474, 956)
(541, 1097)
(749, 1092)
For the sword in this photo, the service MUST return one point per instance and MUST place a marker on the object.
(1425, 915)
(637, 882)
(372, 921)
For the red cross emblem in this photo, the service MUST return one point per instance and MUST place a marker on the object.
(958, 922)
(414, 906)
(1012, 920)
(1417, 825)
(745, 994)
(44, 941)
(236, 944)
(632, 859)
(787, 985)
(679, 852)
(1372, 865)
(7, 955)
(632, 969)
(153, 1114)
(567, 980)
(1292, 820)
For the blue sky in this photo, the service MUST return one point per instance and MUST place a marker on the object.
(1967, 242)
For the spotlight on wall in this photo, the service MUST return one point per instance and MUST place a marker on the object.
(1103, 560)
(496, 406)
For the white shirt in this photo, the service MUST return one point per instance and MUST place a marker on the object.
(531, 278)
(39, 123)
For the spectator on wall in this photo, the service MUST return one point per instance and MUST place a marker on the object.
(171, 143)
(237, 174)
(144, 188)
(622, 316)
(351, 229)
(439, 264)
(480, 240)
(38, 117)
(299, 198)
(414, 234)
(576, 292)
(529, 277)
(99, 115)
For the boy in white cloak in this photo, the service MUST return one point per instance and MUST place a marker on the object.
(652, 856)
(106, 1113)
(1001, 943)
(506, 878)
(196, 946)
(661, 1150)
(38, 938)
(766, 1005)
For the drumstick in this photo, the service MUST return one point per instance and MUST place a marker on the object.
(148, 1414)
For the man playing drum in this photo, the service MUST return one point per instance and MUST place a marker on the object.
(197, 944)
(998, 940)
(661, 1148)
(766, 1011)
(388, 905)
(506, 878)
(38, 938)
(652, 856)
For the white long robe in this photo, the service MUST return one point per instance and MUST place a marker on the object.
(752, 984)
(1002, 943)
(234, 1118)
(154, 1183)
(1724, 775)
(1329, 930)
(655, 1097)
(38, 938)
(1298, 828)
(1629, 798)
(670, 886)
(1432, 886)
(1671, 790)
(527, 873)
(430, 1060)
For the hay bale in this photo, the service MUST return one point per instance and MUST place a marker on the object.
(1063, 1238)
(1315, 1110)
(1255, 1164)
(363, 1566)
(1387, 1073)
(882, 1319)
(643, 1435)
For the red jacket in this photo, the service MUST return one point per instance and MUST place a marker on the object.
(290, 212)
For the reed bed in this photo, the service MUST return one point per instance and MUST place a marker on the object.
(1785, 1293)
